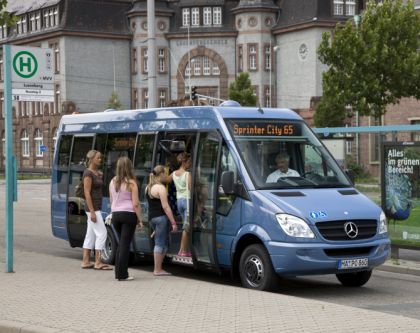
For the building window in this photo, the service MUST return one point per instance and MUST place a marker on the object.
(267, 57)
(197, 66)
(185, 17)
(3, 144)
(55, 16)
(2, 103)
(56, 50)
(207, 16)
(3, 31)
(57, 99)
(38, 20)
(39, 141)
(135, 99)
(144, 67)
(252, 57)
(415, 136)
(217, 15)
(1, 65)
(134, 63)
(375, 140)
(162, 98)
(215, 69)
(54, 138)
(145, 98)
(21, 25)
(240, 58)
(206, 66)
(195, 16)
(344, 7)
(24, 139)
(162, 60)
(267, 97)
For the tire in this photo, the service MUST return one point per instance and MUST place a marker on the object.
(255, 268)
(108, 254)
(356, 279)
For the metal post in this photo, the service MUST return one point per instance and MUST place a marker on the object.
(151, 53)
(271, 64)
(10, 171)
(189, 60)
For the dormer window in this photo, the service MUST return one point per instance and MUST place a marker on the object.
(344, 7)
(205, 16)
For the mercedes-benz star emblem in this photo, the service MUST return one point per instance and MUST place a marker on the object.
(351, 229)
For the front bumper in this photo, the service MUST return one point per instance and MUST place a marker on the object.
(291, 259)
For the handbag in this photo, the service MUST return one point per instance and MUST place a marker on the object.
(80, 190)
(108, 219)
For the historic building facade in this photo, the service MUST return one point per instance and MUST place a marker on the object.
(101, 46)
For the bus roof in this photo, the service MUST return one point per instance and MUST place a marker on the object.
(192, 112)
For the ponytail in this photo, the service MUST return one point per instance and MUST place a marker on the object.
(153, 178)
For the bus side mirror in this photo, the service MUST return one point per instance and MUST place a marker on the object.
(227, 182)
(350, 174)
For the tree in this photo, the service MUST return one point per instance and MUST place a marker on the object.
(240, 91)
(5, 17)
(114, 102)
(371, 65)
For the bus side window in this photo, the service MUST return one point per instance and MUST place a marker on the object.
(143, 165)
(225, 201)
(118, 144)
(64, 151)
(81, 146)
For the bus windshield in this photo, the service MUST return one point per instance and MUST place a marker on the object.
(283, 154)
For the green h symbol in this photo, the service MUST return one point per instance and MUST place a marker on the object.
(20, 64)
(24, 64)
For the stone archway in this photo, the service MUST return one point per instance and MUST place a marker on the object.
(212, 55)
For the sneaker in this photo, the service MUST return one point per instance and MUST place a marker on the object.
(130, 278)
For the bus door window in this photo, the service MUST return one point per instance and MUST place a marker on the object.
(63, 164)
(225, 201)
(75, 205)
(205, 182)
(100, 145)
(143, 163)
(118, 144)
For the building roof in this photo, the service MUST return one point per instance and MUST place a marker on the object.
(22, 6)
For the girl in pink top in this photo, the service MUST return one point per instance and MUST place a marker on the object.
(126, 213)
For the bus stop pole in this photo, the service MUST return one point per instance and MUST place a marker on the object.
(10, 170)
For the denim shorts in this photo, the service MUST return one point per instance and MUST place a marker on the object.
(182, 205)
(160, 225)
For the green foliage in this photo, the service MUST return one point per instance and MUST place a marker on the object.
(114, 102)
(370, 65)
(240, 91)
(5, 17)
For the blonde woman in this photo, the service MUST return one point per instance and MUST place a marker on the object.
(126, 213)
(96, 231)
(159, 214)
(182, 180)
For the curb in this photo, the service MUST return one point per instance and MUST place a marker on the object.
(8, 326)
(401, 269)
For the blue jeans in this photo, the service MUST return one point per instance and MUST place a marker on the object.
(182, 205)
(160, 225)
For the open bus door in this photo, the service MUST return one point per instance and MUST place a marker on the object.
(203, 203)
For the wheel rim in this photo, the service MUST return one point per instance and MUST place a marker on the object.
(254, 271)
(106, 252)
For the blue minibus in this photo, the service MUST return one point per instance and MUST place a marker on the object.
(246, 215)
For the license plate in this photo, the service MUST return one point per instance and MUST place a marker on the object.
(352, 263)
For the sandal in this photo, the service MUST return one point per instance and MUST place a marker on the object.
(87, 266)
(103, 268)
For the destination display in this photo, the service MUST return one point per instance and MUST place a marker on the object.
(401, 192)
(265, 128)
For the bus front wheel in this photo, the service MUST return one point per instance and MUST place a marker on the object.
(356, 279)
(108, 253)
(255, 268)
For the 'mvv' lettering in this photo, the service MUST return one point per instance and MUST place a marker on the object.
(23, 64)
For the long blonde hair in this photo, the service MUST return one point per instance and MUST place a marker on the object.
(153, 178)
(123, 173)
(90, 156)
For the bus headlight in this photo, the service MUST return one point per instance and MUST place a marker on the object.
(383, 228)
(294, 226)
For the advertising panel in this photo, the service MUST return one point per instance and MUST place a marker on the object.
(401, 192)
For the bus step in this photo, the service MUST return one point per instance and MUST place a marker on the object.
(182, 260)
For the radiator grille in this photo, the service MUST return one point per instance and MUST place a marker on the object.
(334, 230)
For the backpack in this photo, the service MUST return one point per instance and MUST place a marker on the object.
(80, 190)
